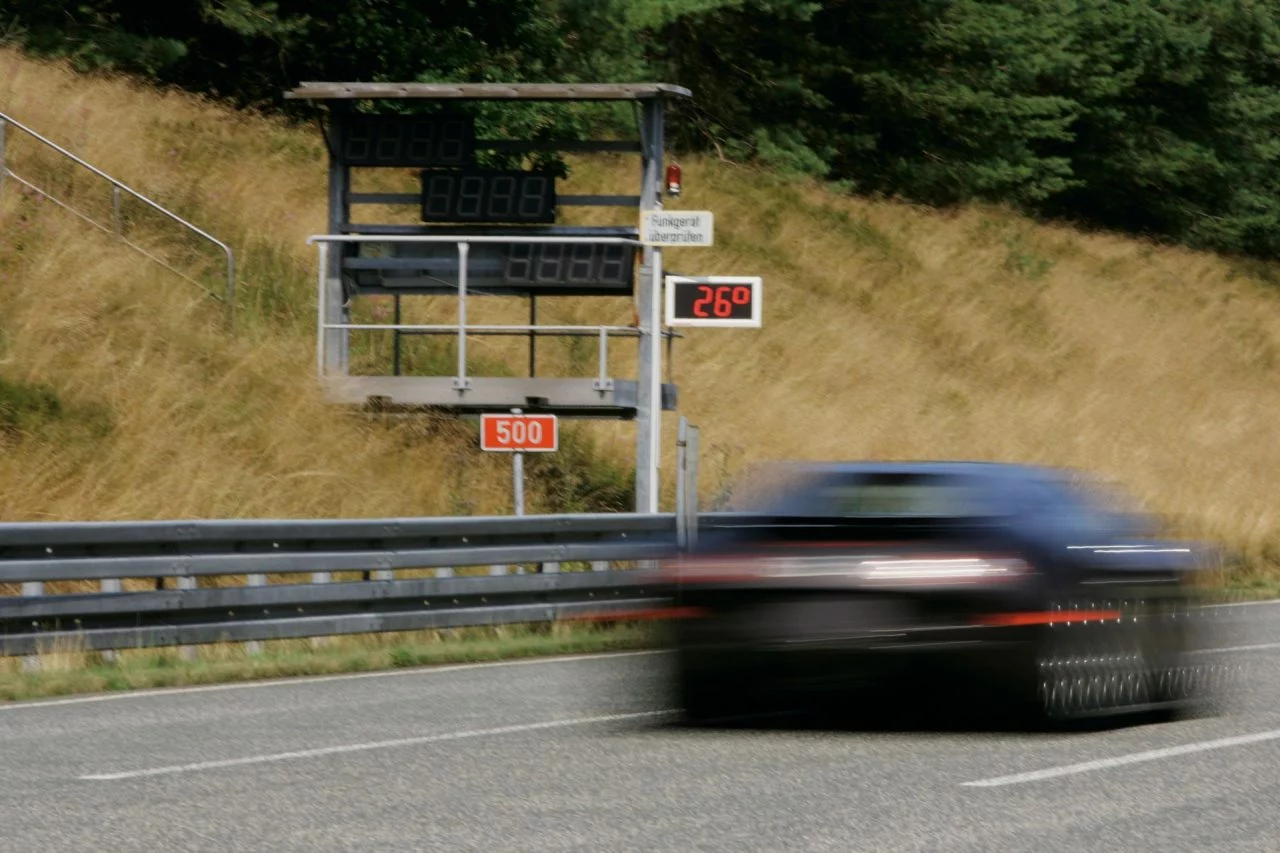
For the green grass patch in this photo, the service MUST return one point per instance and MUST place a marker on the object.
(62, 672)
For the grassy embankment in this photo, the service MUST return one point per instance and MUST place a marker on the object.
(891, 331)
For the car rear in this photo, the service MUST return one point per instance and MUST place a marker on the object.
(783, 609)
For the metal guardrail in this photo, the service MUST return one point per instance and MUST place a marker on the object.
(116, 228)
(238, 603)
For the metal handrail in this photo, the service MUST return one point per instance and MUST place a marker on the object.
(117, 188)
(462, 328)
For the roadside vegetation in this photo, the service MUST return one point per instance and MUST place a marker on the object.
(57, 673)
(891, 330)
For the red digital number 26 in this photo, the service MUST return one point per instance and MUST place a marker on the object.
(707, 294)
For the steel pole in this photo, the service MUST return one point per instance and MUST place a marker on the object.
(517, 475)
(682, 461)
(464, 249)
(649, 402)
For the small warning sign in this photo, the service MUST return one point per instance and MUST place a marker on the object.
(677, 227)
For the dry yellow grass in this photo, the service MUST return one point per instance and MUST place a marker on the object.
(891, 331)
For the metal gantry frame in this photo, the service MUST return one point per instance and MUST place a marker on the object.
(334, 323)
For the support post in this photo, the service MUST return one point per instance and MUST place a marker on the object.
(116, 220)
(322, 310)
(682, 464)
(691, 489)
(460, 381)
(337, 341)
(395, 367)
(687, 486)
(533, 336)
(517, 476)
(31, 589)
(254, 647)
(649, 393)
(187, 653)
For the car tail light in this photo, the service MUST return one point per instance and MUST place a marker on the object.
(940, 570)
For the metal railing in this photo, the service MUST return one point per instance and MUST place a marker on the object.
(462, 329)
(193, 582)
(117, 226)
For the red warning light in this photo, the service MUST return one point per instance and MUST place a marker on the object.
(673, 180)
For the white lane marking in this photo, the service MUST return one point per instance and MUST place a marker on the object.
(1255, 647)
(311, 679)
(364, 747)
(1122, 760)
(1260, 603)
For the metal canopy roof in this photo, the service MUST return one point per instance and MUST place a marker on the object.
(488, 91)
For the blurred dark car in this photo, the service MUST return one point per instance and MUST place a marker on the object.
(1039, 589)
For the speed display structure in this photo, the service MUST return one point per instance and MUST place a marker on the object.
(717, 300)
(455, 192)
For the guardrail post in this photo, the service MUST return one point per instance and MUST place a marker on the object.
(187, 653)
(320, 577)
(110, 585)
(254, 647)
(31, 589)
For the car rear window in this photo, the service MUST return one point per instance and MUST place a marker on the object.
(893, 495)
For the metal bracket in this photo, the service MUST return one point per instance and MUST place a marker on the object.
(461, 383)
(602, 385)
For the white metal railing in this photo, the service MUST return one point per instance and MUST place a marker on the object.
(116, 228)
(461, 328)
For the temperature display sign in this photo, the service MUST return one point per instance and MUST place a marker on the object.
(519, 433)
(717, 300)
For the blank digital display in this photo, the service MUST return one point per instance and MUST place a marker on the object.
(395, 140)
(569, 264)
(493, 268)
(488, 196)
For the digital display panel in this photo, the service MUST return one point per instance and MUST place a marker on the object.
(570, 264)
(408, 141)
(493, 268)
(471, 195)
(713, 301)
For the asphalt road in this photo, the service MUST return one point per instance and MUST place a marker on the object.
(577, 754)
